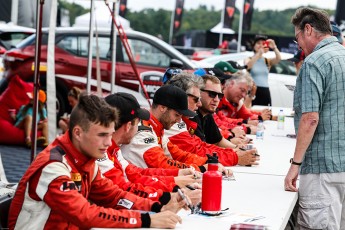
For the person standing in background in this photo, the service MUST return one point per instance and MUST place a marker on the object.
(259, 66)
(72, 97)
(319, 101)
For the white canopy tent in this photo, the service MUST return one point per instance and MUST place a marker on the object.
(103, 19)
(220, 29)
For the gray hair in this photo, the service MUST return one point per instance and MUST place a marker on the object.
(240, 76)
(186, 81)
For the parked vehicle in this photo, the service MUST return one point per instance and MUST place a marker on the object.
(10, 36)
(281, 79)
(71, 57)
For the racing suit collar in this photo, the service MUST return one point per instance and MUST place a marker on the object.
(156, 126)
(80, 160)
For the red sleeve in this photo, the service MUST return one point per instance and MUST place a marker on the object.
(245, 113)
(75, 208)
(155, 158)
(194, 144)
(184, 156)
(224, 122)
(135, 188)
(166, 183)
(111, 168)
(152, 171)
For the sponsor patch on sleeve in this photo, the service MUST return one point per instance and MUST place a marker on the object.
(68, 186)
(125, 203)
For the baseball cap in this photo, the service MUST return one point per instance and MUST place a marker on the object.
(299, 56)
(169, 73)
(337, 32)
(225, 67)
(259, 38)
(200, 72)
(218, 73)
(128, 106)
(173, 98)
(42, 97)
(236, 65)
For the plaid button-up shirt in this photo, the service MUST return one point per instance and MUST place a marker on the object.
(320, 87)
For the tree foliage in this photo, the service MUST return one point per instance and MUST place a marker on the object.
(154, 22)
(74, 10)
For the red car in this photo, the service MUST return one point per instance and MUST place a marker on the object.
(152, 55)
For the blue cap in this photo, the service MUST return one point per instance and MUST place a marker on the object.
(337, 32)
(200, 72)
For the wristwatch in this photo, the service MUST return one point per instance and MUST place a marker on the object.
(253, 97)
(295, 163)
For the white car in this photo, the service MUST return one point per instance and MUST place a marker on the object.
(281, 79)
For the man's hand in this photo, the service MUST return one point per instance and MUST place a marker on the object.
(176, 203)
(253, 123)
(253, 129)
(194, 195)
(266, 114)
(240, 142)
(165, 219)
(189, 171)
(239, 132)
(248, 157)
(182, 181)
(226, 172)
(222, 169)
(291, 178)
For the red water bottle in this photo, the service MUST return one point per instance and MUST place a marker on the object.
(212, 187)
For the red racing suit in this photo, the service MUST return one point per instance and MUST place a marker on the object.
(55, 191)
(182, 135)
(156, 151)
(149, 182)
(229, 115)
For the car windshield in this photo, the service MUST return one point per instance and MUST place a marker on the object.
(11, 39)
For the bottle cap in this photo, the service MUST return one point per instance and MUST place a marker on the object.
(212, 159)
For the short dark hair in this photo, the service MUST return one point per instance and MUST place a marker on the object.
(91, 109)
(318, 19)
(208, 77)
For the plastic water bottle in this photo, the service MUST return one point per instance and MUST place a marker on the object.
(260, 131)
(281, 119)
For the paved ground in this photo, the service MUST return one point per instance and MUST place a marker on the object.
(15, 159)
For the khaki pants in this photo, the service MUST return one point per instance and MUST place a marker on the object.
(321, 201)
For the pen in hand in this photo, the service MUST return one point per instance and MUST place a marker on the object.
(185, 199)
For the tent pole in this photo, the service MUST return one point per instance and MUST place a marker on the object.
(222, 24)
(89, 59)
(171, 33)
(113, 49)
(240, 28)
(39, 12)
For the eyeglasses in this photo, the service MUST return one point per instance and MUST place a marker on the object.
(296, 37)
(195, 98)
(213, 94)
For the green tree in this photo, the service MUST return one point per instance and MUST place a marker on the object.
(75, 10)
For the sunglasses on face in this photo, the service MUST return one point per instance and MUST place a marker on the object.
(195, 98)
(213, 94)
